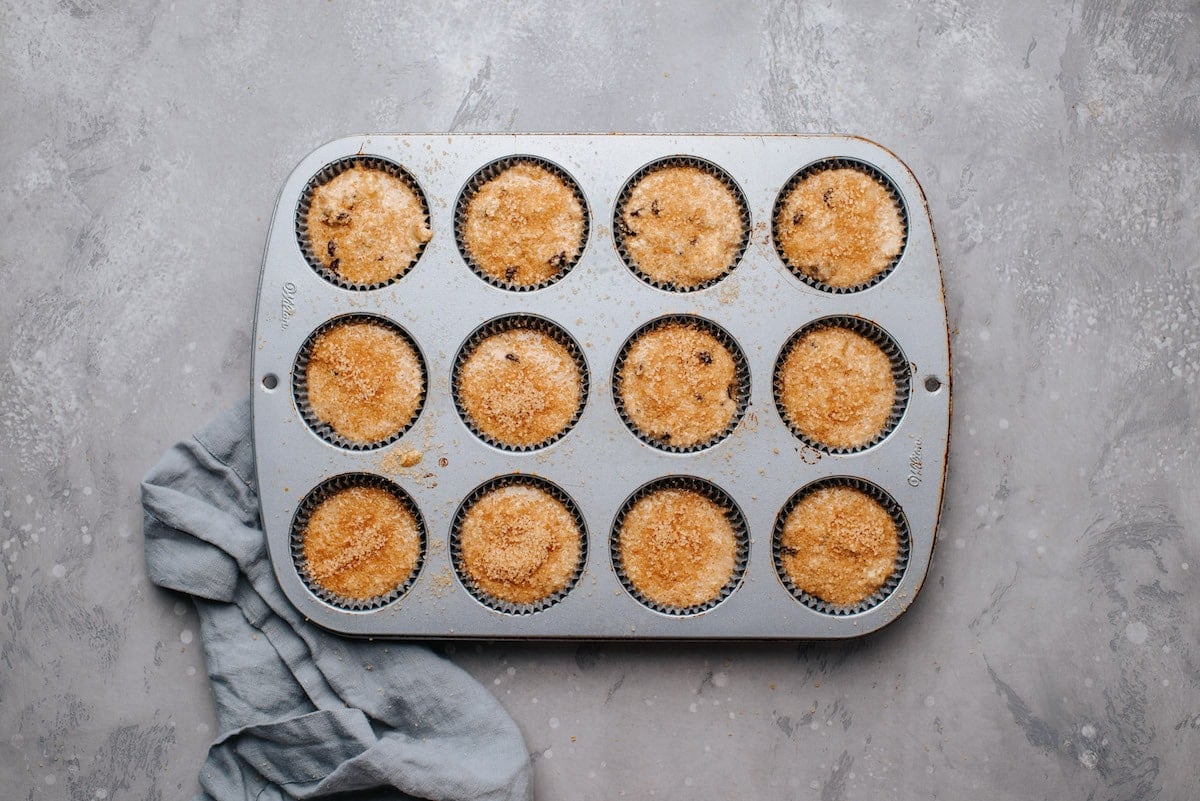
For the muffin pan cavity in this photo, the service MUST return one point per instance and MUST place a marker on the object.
(362, 222)
(611, 375)
(369, 551)
(838, 509)
(520, 382)
(681, 223)
(840, 225)
(518, 543)
(841, 384)
(521, 223)
(681, 383)
(679, 545)
(370, 381)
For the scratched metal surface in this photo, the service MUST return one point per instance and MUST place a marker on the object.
(440, 302)
(1053, 650)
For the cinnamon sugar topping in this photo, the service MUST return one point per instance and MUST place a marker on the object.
(361, 543)
(678, 547)
(840, 545)
(524, 226)
(364, 380)
(520, 544)
(520, 387)
(840, 226)
(367, 225)
(837, 387)
(681, 226)
(679, 385)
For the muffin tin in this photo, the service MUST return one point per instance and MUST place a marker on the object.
(440, 302)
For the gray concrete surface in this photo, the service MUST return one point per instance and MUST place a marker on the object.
(1054, 651)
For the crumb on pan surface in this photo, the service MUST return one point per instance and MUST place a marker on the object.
(366, 225)
(520, 387)
(682, 226)
(837, 387)
(678, 548)
(520, 544)
(840, 226)
(361, 543)
(398, 460)
(679, 385)
(523, 226)
(840, 545)
(364, 380)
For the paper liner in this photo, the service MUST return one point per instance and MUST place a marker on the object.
(741, 376)
(902, 534)
(328, 173)
(732, 513)
(487, 173)
(513, 322)
(834, 164)
(328, 488)
(901, 375)
(300, 383)
(485, 598)
(620, 231)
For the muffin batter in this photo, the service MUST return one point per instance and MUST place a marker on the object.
(367, 225)
(678, 548)
(837, 387)
(681, 226)
(361, 543)
(840, 226)
(679, 385)
(524, 226)
(520, 387)
(364, 380)
(840, 545)
(520, 544)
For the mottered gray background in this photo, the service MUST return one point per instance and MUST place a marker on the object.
(1055, 650)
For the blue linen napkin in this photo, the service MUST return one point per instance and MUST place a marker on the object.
(303, 713)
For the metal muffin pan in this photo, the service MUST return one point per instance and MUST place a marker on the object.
(440, 302)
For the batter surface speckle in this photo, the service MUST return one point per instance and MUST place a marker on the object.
(524, 226)
(367, 225)
(520, 544)
(840, 226)
(840, 545)
(361, 543)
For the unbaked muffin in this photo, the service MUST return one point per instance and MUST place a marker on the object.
(677, 548)
(519, 544)
(678, 384)
(681, 226)
(524, 226)
(839, 544)
(361, 543)
(367, 225)
(836, 387)
(365, 380)
(520, 387)
(839, 226)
